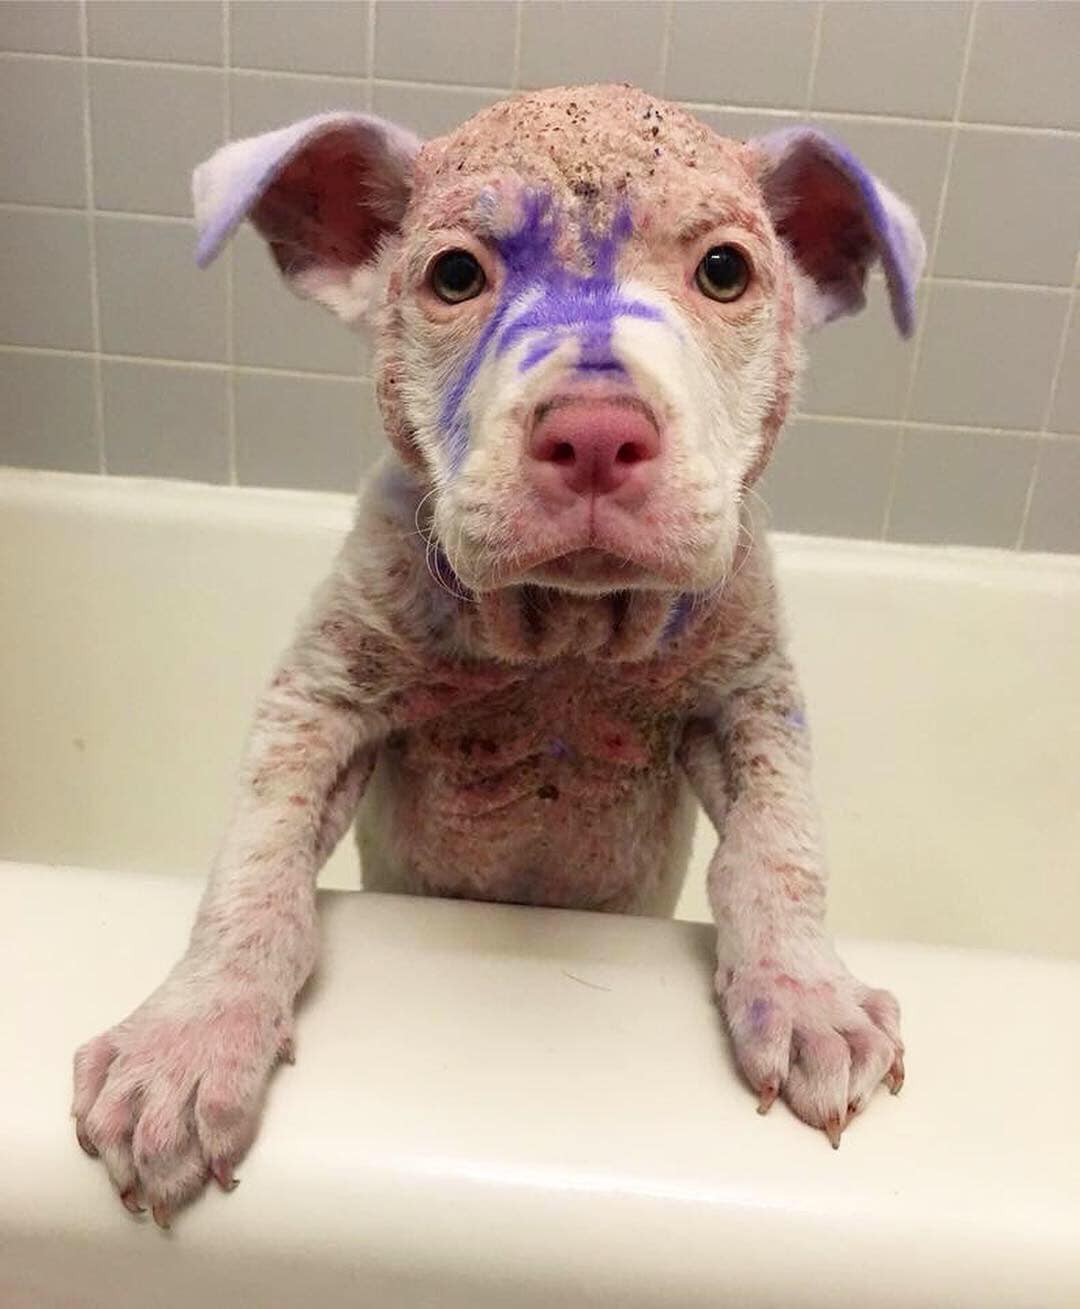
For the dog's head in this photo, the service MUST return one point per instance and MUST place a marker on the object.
(587, 309)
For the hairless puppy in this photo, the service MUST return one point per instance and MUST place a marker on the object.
(554, 623)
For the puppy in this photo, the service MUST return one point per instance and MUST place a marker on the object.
(554, 623)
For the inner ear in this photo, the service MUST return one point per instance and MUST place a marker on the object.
(329, 207)
(837, 220)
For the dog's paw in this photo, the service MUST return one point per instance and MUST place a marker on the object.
(170, 1098)
(805, 1029)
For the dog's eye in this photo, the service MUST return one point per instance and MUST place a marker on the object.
(457, 276)
(724, 273)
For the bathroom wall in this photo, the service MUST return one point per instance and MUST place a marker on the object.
(118, 357)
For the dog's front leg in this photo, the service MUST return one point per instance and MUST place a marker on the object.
(171, 1096)
(801, 1024)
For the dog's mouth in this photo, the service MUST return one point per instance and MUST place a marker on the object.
(590, 569)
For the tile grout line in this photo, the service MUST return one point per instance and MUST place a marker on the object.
(369, 73)
(230, 262)
(1048, 411)
(91, 237)
(665, 45)
(515, 69)
(779, 111)
(931, 261)
(815, 55)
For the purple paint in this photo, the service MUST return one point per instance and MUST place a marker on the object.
(562, 305)
(759, 1015)
(796, 718)
(558, 749)
(678, 617)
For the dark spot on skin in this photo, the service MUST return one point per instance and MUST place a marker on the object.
(548, 792)
(655, 130)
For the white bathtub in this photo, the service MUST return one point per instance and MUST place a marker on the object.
(469, 1125)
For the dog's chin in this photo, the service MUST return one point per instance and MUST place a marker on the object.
(592, 571)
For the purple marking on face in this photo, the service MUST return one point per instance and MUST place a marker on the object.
(563, 305)
(678, 617)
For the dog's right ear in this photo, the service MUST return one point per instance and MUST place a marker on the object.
(324, 193)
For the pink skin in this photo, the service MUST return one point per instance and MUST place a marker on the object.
(537, 738)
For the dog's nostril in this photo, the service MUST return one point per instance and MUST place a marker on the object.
(562, 453)
(631, 452)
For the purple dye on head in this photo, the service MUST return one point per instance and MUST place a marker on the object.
(563, 305)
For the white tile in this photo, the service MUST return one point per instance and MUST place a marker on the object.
(154, 301)
(301, 432)
(830, 478)
(301, 36)
(429, 110)
(45, 273)
(1054, 518)
(262, 102)
(903, 57)
(742, 53)
(42, 151)
(961, 487)
(1023, 66)
(48, 407)
(1013, 209)
(49, 27)
(165, 421)
(276, 329)
(569, 42)
(151, 128)
(859, 366)
(988, 355)
(180, 31)
(743, 124)
(455, 41)
(1065, 416)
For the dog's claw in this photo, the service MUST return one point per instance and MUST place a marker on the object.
(130, 1200)
(894, 1078)
(223, 1175)
(767, 1097)
(834, 1128)
(287, 1051)
(85, 1144)
(161, 1216)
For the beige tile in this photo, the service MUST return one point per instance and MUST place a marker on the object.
(42, 152)
(1065, 416)
(49, 27)
(988, 355)
(180, 31)
(276, 329)
(151, 127)
(154, 301)
(742, 124)
(908, 157)
(1023, 66)
(45, 275)
(743, 52)
(1054, 518)
(301, 36)
(830, 478)
(263, 101)
(567, 42)
(897, 58)
(960, 487)
(165, 421)
(458, 41)
(1013, 208)
(48, 407)
(301, 432)
(859, 367)
(429, 110)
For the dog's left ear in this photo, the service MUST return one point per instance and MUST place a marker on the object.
(325, 193)
(837, 219)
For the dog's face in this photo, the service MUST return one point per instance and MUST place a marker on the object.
(587, 311)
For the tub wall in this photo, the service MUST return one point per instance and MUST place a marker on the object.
(940, 683)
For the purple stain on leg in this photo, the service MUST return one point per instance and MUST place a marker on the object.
(759, 1015)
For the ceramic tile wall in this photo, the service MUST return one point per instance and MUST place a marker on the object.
(117, 356)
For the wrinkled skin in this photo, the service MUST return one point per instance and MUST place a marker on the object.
(554, 623)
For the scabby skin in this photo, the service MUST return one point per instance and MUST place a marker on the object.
(554, 624)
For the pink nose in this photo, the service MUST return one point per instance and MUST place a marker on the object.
(589, 446)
